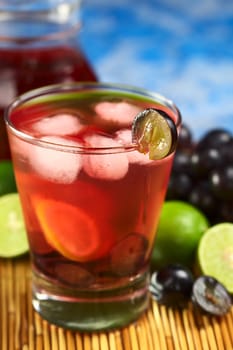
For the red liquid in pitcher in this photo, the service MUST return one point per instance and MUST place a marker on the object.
(22, 70)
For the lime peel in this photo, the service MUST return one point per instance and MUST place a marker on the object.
(7, 178)
(181, 225)
(13, 236)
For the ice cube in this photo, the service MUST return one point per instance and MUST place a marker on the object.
(56, 165)
(124, 137)
(118, 112)
(58, 125)
(111, 166)
(19, 147)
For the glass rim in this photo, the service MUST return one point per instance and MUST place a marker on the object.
(78, 87)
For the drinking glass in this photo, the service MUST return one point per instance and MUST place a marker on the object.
(39, 45)
(91, 201)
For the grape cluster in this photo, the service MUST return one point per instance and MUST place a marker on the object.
(202, 173)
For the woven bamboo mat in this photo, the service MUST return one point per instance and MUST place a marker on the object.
(159, 329)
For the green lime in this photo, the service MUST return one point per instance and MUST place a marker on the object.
(7, 178)
(13, 238)
(180, 228)
(215, 254)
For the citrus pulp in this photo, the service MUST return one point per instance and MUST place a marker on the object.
(215, 254)
(13, 238)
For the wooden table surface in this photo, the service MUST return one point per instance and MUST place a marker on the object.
(160, 328)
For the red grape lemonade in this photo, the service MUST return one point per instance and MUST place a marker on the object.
(91, 200)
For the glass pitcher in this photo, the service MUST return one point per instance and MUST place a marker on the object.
(39, 45)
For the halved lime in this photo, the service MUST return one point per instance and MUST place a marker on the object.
(155, 133)
(13, 238)
(215, 254)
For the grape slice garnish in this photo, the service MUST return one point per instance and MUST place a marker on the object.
(155, 133)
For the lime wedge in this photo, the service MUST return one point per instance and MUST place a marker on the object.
(155, 133)
(215, 254)
(13, 238)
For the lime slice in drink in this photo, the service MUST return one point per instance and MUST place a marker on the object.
(215, 254)
(13, 238)
(155, 133)
(69, 230)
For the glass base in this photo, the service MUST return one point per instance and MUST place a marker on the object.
(90, 310)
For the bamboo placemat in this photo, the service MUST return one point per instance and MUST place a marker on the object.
(159, 329)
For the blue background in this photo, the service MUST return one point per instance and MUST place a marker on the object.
(181, 49)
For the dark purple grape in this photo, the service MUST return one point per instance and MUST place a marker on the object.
(179, 186)
(202, 162)
(185, 141)
(181, 163)
(222, 182)
(215, 138)
(128, 255)
(211, 296)
(72, 274)
(172, 285)
(66, 272)
(201, 197)
(209, 162)
(226, 211)
(226, 151)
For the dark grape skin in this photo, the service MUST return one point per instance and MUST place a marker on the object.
(226, 152)
(226, 211)
(132, 250)
(181, 163)
(202, 162)
(172, 285)
(221, 181)
(201, 197)
(179, 186)
(185, 140)
(200, 176)
(214, 138)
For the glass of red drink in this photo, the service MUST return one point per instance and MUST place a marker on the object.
(91, 201)
(39, 45)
